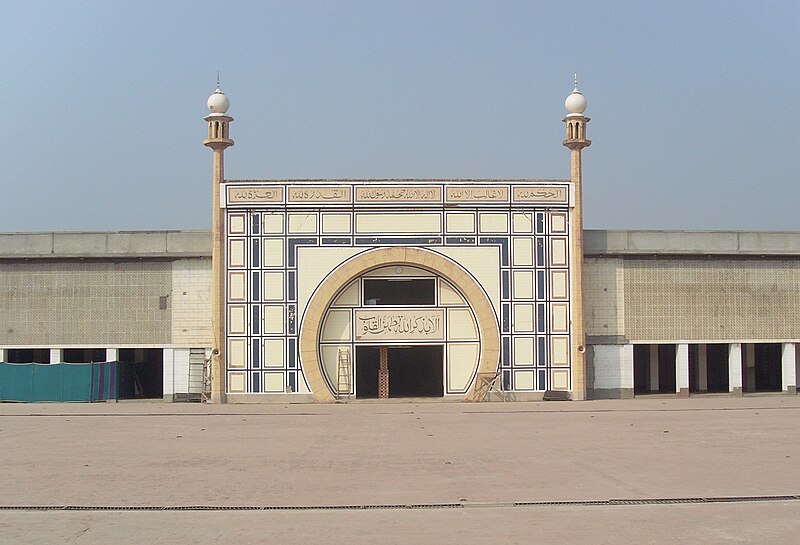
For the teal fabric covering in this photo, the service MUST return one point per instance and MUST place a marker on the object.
(33, 382)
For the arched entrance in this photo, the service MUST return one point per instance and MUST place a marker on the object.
(311, 329)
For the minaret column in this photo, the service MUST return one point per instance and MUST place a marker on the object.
(575, 141)
(218, 140)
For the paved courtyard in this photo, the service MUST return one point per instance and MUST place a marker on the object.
(403, 472)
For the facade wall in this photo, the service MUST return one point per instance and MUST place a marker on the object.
(84, 303)
(706, 300)
(604, 298)
(191, 302)
(284, 240)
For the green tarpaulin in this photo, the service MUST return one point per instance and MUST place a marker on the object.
(31, 382)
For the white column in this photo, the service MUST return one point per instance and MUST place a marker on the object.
(702, 367)
(112, 354)
(682, 369)
(735, 368)
(654, 367)
(788, 368)
(56, 355)
(626, 369)
(169, 371)
(3, 354)
(797, 363)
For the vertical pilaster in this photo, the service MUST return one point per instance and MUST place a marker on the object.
(735, 369)
(218, 285)
(654, 386)
(682, 369)
(788, 368)
(702, 367)
(3, 355)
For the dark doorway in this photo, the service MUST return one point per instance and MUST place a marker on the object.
(368, 361)
(717, 357)
(641, 368)
(401, 291)
(666, 368)
(143, 374)
(716, 368)
(768, 367)
(694, 368)
(414, 371)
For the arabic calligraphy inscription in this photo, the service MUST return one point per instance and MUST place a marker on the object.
(550, 193)
(399, 325)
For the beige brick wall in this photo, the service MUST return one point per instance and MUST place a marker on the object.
(603, 285)
(711, 299)
(84, 303)
(191, 302)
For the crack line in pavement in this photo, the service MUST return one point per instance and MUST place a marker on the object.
(434, 413)
(411, 506)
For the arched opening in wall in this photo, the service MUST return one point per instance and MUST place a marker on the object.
(468, 327)
(410, 331)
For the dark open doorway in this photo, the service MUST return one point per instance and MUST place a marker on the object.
(143, 377)
(768, 367)
(414, 371)
(711, 376)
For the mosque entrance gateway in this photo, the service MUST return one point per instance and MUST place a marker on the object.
(411, 333)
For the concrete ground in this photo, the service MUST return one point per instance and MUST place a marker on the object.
(375, 472)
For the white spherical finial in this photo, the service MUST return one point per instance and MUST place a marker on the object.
(218, 103)
(576, 102)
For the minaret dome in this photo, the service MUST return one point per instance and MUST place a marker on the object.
(218, 103)
(576, 102)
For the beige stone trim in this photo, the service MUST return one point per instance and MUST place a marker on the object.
(326, 292)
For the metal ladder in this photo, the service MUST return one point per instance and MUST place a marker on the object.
(343, 383)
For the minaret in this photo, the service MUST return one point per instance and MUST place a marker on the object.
(218, 140)
(576, 141)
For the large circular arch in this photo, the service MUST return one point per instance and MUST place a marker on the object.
(324, 295)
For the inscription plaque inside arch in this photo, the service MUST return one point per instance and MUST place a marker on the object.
(399, 325)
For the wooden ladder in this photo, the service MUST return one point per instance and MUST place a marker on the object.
(343, 383)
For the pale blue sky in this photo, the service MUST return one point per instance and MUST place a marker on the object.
(694, 105)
